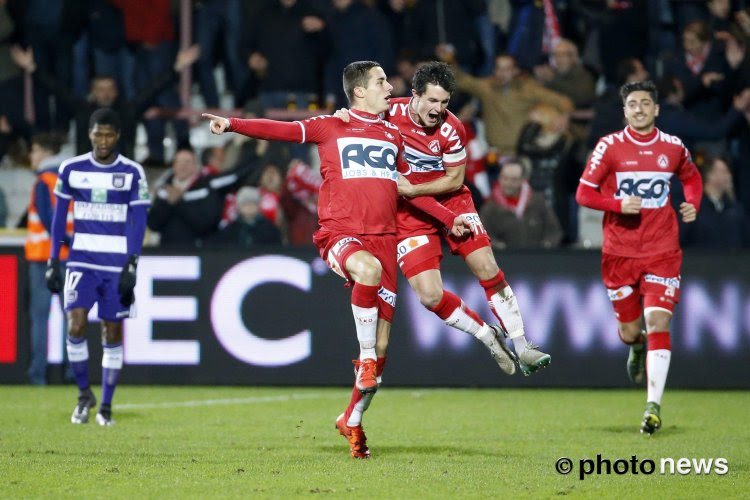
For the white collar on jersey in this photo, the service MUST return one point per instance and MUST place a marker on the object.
(364, 119)
(92, 159)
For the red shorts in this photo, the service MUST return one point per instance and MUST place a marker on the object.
(655, 278)
(419, 247)
(336, 248)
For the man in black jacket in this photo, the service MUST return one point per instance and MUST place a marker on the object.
(188, 205)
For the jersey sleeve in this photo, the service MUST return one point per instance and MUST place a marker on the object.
(692, 182)
(317, 128)
(454, 152)
(62, 186)
(139, 188)
(597, 166)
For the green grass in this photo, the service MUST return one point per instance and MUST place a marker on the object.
(230, 442)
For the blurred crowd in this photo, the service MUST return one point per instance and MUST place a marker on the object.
(538, 84)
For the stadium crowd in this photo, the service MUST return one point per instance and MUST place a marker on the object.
(538, 85)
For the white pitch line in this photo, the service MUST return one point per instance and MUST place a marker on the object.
(226, 401)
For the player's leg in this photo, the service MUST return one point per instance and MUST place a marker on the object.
(428, 285)
(111, 311)
(78, 356)
(503, 304)
(79, 296)
(626, 301)
(112, 355)
(365, 270)
(660, 287)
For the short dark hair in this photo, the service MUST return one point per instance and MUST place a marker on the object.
(645, 86)
(105, 116)
(48, 142)
(357, 74)
(436, 73)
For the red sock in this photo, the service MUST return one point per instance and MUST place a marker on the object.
(494, 285)
(659, 340)
(365, 295)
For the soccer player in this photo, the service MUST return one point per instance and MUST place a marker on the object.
(110, 199)
(435, 151)
(360, 162)
(628, 177)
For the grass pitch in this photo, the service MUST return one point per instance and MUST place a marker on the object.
(230, 442)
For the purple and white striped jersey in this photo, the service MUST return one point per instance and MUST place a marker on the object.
(101, 196)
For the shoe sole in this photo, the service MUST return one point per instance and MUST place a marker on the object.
(541, 363)
(371, 390)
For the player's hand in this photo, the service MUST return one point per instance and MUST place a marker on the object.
(127, 281)
(342, 114)
(187, 57)
(688, 211)
(218, 124)
(405, 188)
(53, 276)
(461, 227)
(631, 205)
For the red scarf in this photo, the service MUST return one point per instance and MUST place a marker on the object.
(696, 63)
(516, 204)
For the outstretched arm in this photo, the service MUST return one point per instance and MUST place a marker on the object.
(258, 128)
(448, 183)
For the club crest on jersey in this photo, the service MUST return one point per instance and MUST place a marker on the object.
(118, 181)
(434, 146)
(662, 161)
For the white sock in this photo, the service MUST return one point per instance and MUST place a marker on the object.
(360, 407)
(366, 321)
(462, 321)
(506, 309)
(657, 362)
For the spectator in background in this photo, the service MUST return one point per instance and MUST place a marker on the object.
(566, 75)
(722, 222)
(702, 69)
(674, 119)
(251, 227)
(219, 22)
(3, 210)
(287, 68)
(517, 217)
(271, 183)
(12, 123)
(299, 200)
(507, 97)
(353, 16)
(45, 161)
(555, 169)
(150, 35)
(188, 205)
(105, 93)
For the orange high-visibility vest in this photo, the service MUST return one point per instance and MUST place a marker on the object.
(38, 244)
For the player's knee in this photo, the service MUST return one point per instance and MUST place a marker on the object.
(486, 269)
(76, 328)
(430, 296)
(658, 321)
(369, 270)
(629, 332)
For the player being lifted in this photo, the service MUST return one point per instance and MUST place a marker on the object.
(110, 199)
(360, 162)
(628, 177)
(434, 148)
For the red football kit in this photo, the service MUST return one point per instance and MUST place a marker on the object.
(641, 254)
(429, 152)
(359, 163)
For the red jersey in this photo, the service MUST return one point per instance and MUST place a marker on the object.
(626, 164)
(359, 163)
(429, 152)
